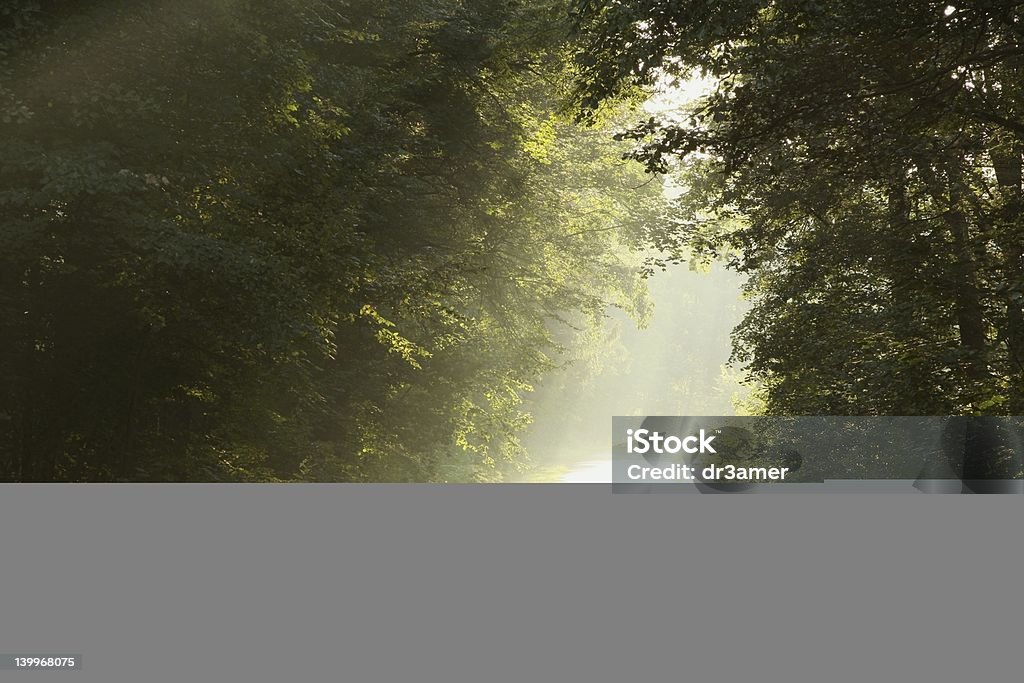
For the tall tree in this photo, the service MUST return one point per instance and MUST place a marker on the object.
(861, 162)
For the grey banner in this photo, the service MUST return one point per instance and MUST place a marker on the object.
(507, 584)
(818, 454)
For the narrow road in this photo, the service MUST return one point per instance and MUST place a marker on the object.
(589, 472)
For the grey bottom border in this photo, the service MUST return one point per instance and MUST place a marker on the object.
(508, 584)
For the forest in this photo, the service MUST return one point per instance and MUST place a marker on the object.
(344, 240)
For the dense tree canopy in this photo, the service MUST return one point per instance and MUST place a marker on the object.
(861, 161)
(314, 240)
(344, 240)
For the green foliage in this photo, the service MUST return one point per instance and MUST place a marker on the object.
(861, 161)
(301, 240)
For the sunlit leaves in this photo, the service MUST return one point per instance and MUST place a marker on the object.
(862, 162)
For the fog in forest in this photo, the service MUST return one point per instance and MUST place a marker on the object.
(675, 365)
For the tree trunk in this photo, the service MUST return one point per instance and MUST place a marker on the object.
(970, 317)
(1006, 160)
(966, 293)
